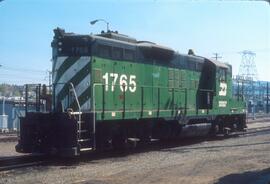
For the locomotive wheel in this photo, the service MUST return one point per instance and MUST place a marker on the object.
(120, 142)
(226, 132)
(214, 131)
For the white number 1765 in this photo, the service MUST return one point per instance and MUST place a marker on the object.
(124, 83)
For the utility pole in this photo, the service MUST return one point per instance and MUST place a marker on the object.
(50, 80)
(50, 77)
(216, 56)
(267, 97)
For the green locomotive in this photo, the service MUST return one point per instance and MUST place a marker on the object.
(109, 89)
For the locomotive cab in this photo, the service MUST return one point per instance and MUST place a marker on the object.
(212, 76)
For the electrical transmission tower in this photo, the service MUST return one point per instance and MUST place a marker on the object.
(247, 75)
(248, 70)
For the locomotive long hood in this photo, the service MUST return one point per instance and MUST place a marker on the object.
(152, 50)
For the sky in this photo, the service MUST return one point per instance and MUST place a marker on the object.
(207, 27)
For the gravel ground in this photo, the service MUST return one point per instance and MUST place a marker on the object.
(7, 145)
(8, 137)
(239, 160)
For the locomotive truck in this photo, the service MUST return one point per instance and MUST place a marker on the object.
(109, 89)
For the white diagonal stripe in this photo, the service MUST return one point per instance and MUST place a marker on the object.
(82, 86)
(58, 62)
(64, 102)
(86, 106)
(71, 72)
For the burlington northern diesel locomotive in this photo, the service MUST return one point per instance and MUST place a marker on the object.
(109, 89)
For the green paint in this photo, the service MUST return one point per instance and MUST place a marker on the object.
(160, 92)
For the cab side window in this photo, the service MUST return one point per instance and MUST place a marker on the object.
(222, 74)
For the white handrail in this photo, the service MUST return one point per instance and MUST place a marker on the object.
(76, 97)
(79, 106)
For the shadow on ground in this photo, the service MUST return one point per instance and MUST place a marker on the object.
(163, 146)
(249, 177)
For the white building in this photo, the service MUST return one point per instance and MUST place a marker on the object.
(3, 123)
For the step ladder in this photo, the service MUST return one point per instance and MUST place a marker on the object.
(85, 138)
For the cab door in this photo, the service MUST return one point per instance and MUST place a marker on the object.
(206, 86)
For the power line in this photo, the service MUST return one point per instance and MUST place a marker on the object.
(20, 82)
(3, 67)
(21, 74)
(258, 50)
(21, 77)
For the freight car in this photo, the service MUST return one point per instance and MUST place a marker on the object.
(109, 89)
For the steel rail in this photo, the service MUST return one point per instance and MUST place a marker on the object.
(21, 161)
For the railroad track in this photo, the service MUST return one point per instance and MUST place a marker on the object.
(255, 131)
(8, 137)
(21, 161)
(16, 162)
(249, 132)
